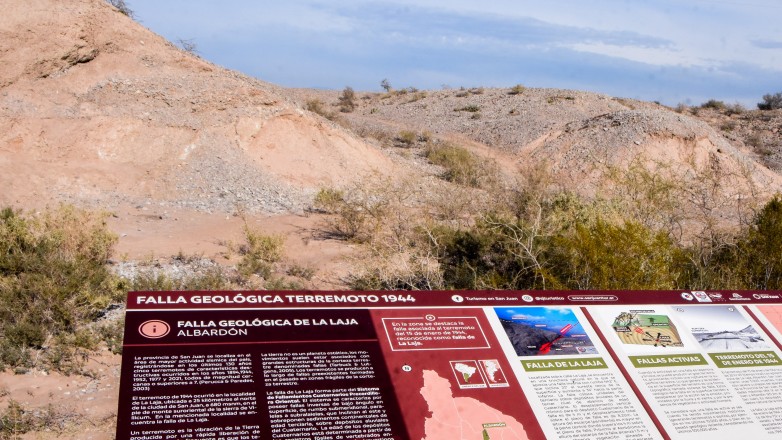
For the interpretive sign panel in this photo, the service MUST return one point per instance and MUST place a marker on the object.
(451, 365)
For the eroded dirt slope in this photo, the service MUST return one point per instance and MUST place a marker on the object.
(97, 110)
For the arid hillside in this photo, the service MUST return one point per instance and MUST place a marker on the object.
(96, 110)
(582, 138)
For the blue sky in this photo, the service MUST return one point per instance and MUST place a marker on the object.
(554, 318)
(666, 50)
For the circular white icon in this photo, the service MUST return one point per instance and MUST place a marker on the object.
(430, 317)
(457, 298)
(154, 329)
(687, 296)
(527, 298)
(407, 368)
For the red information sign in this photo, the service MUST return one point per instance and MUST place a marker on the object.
(450, 365)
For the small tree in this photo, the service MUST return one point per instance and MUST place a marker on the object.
(347, 100)
(385, 85)
(771, 102)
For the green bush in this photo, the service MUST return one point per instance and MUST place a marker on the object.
(461, 166)
(759, 251)
(53, 281)
(259, 253)
(607, 256)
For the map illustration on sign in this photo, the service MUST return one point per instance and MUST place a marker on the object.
(637, 328)
(467, 374)
(721, 328)
(540, 331)
(494, 374)
(463, 417)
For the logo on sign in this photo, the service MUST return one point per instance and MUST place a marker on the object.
(527, 298)
(154, 329)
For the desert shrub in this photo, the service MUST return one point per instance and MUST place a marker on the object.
(518, 89)
(728, 126)
(279, 283)
(53, 281)
(647, 192)
(735, 109)
(557, 98)
(370, 211)
(482, 257)
(259, 253)
(385, 85)
(188, 45)
(714, 105)
(462, 166)
(211, 278)
(317, 106)
(758, 253)
(771, 102)
(356, 215)
(303, 272)
(417, 96)
(472, 108)
(112, 333)
(17, 420)
(602, 255)
(415, 273)
(122, 7)
(406, 137)
(552, 250)
(755, 140)
(347, 100)
(329, 200)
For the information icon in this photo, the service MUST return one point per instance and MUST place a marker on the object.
(154, 329)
